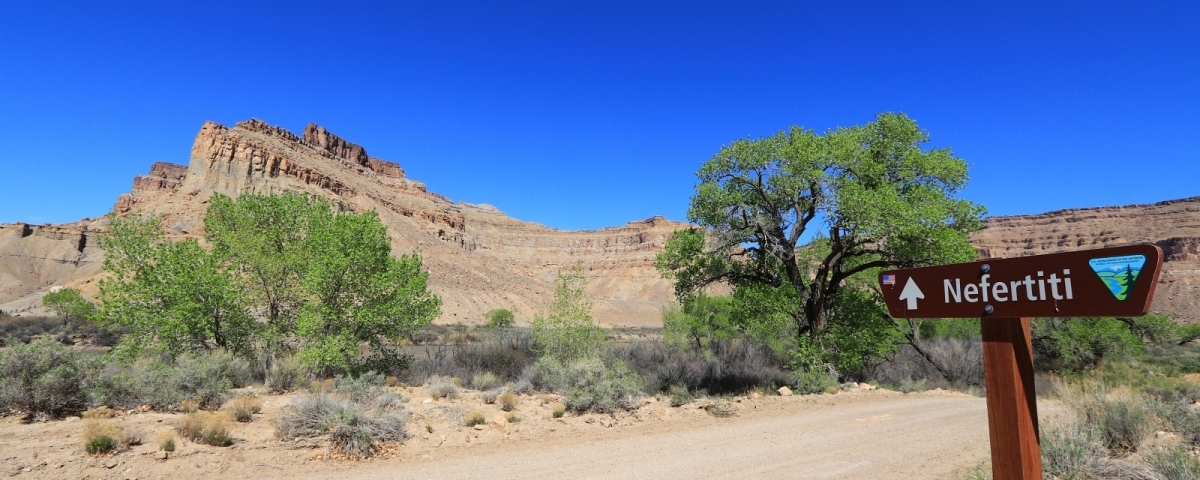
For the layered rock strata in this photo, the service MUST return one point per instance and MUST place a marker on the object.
(1172, 225)
(478, 257)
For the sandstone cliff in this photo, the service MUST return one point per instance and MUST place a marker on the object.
(1172, 225)
(478, 257)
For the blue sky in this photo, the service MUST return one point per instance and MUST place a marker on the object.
(584, 115)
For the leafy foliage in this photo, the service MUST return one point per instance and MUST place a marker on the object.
(567, 332)
(173, 297)
(499, 318)
(793, 220)
(42, 378)
(68, 304)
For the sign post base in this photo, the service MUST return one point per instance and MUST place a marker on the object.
(1011, 400)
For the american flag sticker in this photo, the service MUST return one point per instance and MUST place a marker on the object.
(889, 279)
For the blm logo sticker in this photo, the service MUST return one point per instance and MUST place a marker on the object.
(1118, 273)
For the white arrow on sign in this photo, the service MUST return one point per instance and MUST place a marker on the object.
(911, 293)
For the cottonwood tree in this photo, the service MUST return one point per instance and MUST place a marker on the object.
(173, 296)
(793, 219)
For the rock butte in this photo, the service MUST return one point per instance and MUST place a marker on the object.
(479, 258)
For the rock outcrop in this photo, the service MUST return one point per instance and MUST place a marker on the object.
(1172, 225)
(478, 257)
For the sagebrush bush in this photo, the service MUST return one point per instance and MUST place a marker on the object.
(285, 375)
(43, 378)
(489, 397)
(390, 401)
(441, 387)
(508, 401)
(1068, 448)
(473, 418)
(364, 388)
(728, 367)
(589, 385)
(505, 353)
(353, 430)
(1174, 463)
(205, 378)
(680, 396)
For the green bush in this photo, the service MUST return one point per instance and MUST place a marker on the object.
(43, 378)
(1174, 463)
(285, 375)
(364, 388)
(473, 418)
(680, 396)
(499, 318)
(596, 387)
(809, 382)
(100, 445)
(1068, 448)
(352, 429)
(566, 332)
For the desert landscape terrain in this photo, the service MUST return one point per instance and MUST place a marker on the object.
(855, 433)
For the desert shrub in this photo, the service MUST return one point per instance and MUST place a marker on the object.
(353, 431)
(188, 406)
(243, 408)
(680, 396)
(596, 387)
(285, 374)
(557, 409)
(508, 401)
(499, 318)
(208, 428)
(909, 385)
(365, 387)
(1068, 448)
(166, 441)
(489, 397)
(391, 381)
(504, 352)
(389, 401)
(720, 367)
(320, 386)
(473, 418)
(99, 445)
(100, 412)
(720, 408)
(43, 378)
(103, 436)
(512, 418)
(1173, 463)
(808, 382)
(961, 360)
(484, 381)
(1126, 421)
(441, 387)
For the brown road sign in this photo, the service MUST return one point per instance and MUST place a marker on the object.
(1108, 282)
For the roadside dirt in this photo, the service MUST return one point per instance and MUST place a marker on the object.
(853, 434)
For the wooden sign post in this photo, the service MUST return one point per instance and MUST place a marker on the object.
(1005, 294)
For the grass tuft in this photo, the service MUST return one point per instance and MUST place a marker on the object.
(473, 418)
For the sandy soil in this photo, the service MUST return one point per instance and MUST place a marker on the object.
(853, 434)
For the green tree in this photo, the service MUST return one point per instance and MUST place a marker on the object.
(499, 318)
(700, 321)
(792, 220)
(263, 239)
(566, 331)
(357, 293)
(173, 297)
(69, 305)
(1084, 343)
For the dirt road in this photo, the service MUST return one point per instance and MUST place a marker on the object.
(853, 434)
(867, 436)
